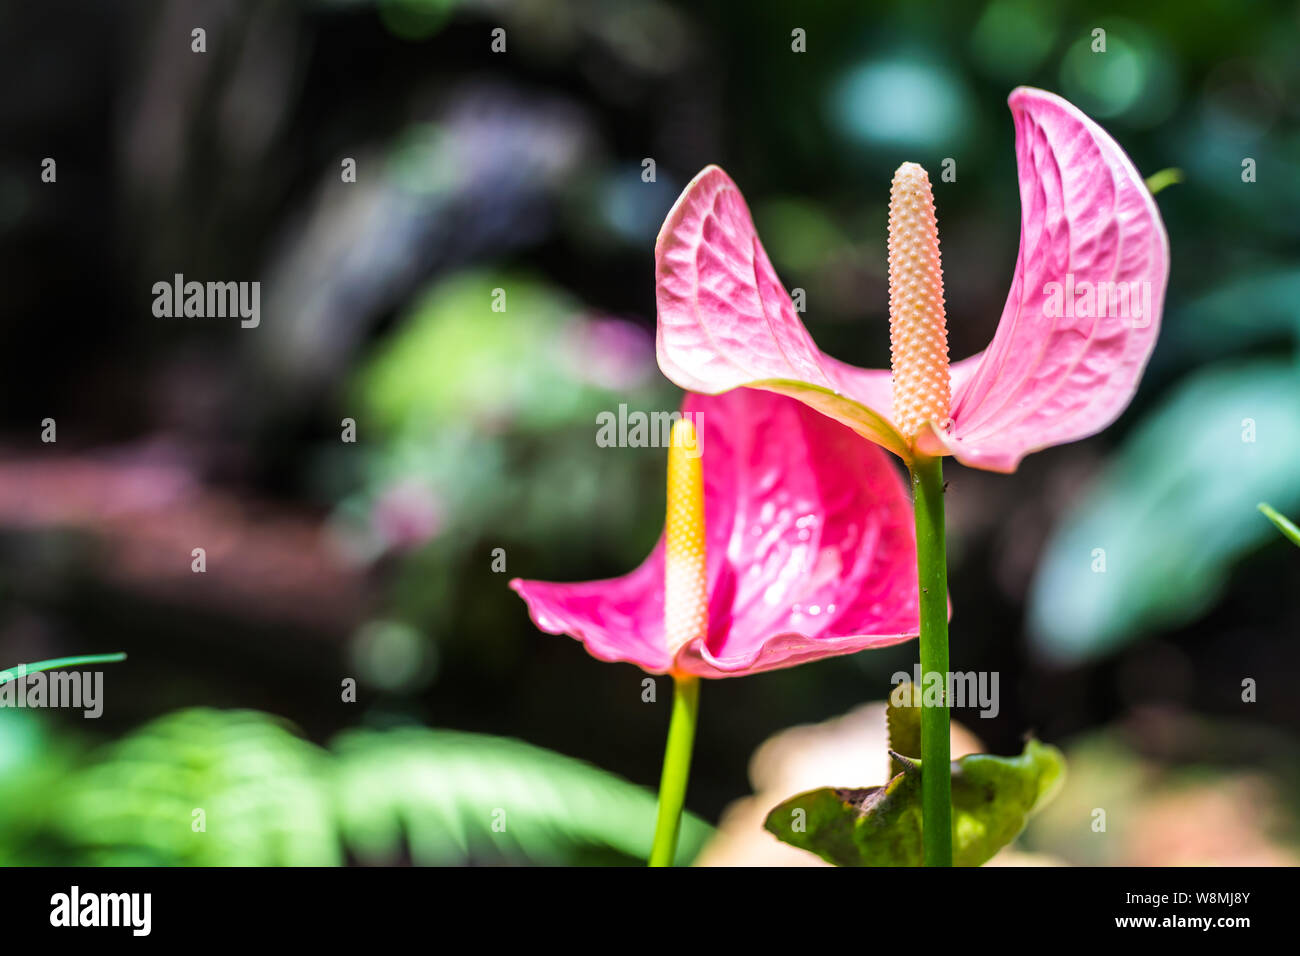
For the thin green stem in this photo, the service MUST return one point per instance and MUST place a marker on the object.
(58, 662)
(932, 568)
(677, 768)
(1284, 524)
(1166, 177)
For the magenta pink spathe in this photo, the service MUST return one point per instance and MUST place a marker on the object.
(810, 551)
(1078, 327)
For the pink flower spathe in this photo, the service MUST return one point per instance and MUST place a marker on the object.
(810, 551)
(1054, 372)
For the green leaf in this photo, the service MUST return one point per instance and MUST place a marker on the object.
(271, 798)
(34, 765)
(1243, 312)
(57, 663)
(454, 358)
(1152, 543)
(257, 784)
(450, 797)
(1284, 524)
(881, 826)
(903, 721)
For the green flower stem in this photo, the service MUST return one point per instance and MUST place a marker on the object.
(677, 768)
(932, 568)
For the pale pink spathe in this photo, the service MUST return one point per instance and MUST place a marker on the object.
(810, 546)
(1055, 372)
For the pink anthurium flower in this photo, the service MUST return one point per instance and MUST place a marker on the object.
(1078, 327)
(808, 551)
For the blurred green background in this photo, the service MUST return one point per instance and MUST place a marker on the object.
(523, 171)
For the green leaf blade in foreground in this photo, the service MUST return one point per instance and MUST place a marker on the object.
(1284, 524)
(56, 663)
(200, 787)
(271, 798)
(993, 798)
(449, 797)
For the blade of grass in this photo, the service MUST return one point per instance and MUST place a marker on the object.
(19, 670)
(1284, 524)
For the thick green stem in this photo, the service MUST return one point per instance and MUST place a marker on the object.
(677, 768)
(932, 568)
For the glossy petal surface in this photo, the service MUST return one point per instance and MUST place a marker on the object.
(1088, 225)
(1060, 370)
(725, 320)
(810, 548)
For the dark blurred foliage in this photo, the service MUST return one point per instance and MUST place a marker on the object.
(523, 171)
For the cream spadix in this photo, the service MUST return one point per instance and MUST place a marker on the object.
(918, 331)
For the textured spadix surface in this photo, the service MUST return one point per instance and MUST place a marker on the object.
(809, 543)
(1056, 370)
(918, 333)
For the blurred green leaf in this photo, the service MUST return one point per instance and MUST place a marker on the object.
(271, 798)
(256, 783)
(1151, 545)
(454, 797)
(1136, 81)
(881, 826)
(527, 363)
(799, 234)
(1013, 37)
(1242, 312)
(34, 765)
